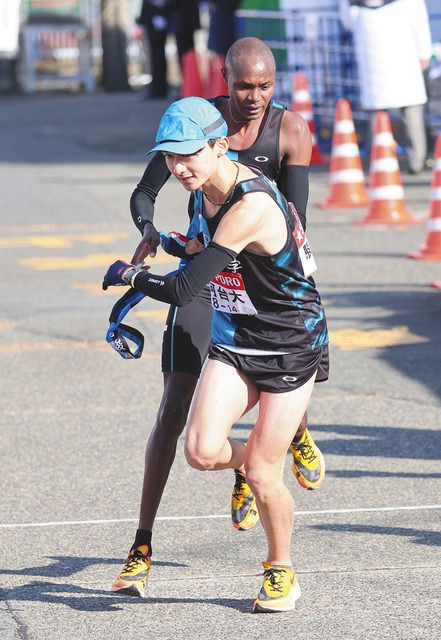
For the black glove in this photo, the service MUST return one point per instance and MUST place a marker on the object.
(117, 274)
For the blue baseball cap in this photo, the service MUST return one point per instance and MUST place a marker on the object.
(187, 125)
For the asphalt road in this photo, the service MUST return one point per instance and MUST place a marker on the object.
(75, 416)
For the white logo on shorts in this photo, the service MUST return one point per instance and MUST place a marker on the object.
(289, 378)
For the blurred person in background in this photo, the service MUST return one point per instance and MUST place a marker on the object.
(185, 21)
(393, 48)
(222, 28)
(155, 19)
(9, 32)
(159, 18)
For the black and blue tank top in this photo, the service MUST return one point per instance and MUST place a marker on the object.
(264, 153)
(263, 303)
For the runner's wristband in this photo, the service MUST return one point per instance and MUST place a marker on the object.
(127, 275)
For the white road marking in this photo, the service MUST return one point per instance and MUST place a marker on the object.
(63, 523)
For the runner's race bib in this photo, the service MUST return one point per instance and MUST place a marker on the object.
(228, 294)
(303, 247)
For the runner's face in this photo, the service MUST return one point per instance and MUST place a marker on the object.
(193, 170)
(251, 89)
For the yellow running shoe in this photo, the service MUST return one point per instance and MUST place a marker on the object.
(132, 580)
(309, 464)
(244, 513)
(280, 589)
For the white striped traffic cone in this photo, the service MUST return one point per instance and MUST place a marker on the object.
(385, 186)
(432, 248)
(346, 172)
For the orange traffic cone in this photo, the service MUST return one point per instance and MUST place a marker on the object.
(432, 248)
(216, 85)
(301, 103)
(346, 172)
(191, 79)
(385, 185)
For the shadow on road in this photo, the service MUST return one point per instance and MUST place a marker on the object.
(419, 311)
(416, 536)
(381, 441)
(348, 474)
(65, 566)
(373, 442)
(81, 599)
(105, 128)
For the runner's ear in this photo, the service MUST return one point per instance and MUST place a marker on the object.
(223, 145)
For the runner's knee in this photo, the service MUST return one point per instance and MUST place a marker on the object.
(195, 461)
(200, 455)
(172, 416)
(263, 485)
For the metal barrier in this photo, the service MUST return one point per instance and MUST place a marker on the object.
(317, 44)
(311, 42)
(56, 56)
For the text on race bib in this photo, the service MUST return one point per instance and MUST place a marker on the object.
(303, 246)
(228, 294)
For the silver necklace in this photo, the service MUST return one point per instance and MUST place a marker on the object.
(229, 193)
(242, 122)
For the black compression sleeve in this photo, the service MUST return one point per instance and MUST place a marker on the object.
(294, 184)
(142, 202)
(180, 289)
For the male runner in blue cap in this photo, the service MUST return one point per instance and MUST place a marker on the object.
(268, 336)
(263, 134)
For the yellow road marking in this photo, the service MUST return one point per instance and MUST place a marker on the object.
(355, 339)
(95, 289)
(52, 346)
(59, 242)
(68, 262)
(17, 347)
(51, 226)
(157, 315)
(90, 261)
(345, 339)
(7, 324)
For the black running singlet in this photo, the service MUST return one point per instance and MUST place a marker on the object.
(264, 153)
(265, 303)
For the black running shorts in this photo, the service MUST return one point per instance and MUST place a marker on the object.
(187, 336)
(277, 373)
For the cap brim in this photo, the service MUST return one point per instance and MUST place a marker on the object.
(184, 147)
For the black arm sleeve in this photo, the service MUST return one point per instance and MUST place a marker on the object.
(142, 202)
(294, 184)
(180, 289)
